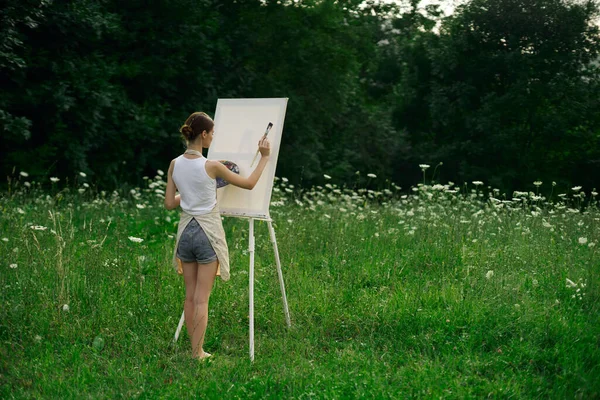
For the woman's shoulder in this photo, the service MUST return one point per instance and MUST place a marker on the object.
(172, 164)
(211, 165)
(176, 159)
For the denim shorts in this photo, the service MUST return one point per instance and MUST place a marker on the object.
(194, 245)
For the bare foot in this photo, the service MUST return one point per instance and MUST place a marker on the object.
(202, 356)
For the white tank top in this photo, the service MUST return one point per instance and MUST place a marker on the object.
(198, 190)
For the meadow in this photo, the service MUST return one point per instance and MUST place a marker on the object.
(434, 291)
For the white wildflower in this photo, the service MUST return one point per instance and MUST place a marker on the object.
(65, 307)
(85, 185)
(423, 166)
(37, 338)
(576, 188)
(537, 183)
(477, 183)
(160, 172)
(54, 179)
(284, 179)
(140, 206)
(38, 228)
(135, 240)
(326, 176)
(582, 240)
(82, 174)
(24, 174)
(5, 239)
(13, 266)
(20, 210)
(570, 283)
(327, 216)
(489, 274)
(372, 176)
(27, 184)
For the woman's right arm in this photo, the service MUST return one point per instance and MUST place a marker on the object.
(222, 172)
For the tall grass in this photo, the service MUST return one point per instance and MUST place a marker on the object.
(434, 292)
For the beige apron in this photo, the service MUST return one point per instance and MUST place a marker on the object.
(213, 227)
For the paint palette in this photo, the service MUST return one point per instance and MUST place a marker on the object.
(230, 166)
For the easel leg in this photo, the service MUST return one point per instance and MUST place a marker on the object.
(251, 284)
(181, 321)
(281, 283)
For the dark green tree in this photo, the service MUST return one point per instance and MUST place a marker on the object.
(506, 92)
(509, 94)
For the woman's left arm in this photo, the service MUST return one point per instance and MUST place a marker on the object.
(171, 199)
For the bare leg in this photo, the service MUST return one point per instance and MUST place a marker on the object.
(196, 303)
(204, 285)
(190, 276)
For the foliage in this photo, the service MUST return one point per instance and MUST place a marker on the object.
(506, 91)
(502, 89)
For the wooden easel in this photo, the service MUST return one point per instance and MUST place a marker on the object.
(251, 278)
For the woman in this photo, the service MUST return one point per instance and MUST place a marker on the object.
(201, 245)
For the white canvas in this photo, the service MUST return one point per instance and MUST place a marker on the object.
(239, 125)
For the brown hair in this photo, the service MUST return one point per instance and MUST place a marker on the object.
(195, 124)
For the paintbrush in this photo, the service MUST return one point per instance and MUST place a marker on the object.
(264, 136)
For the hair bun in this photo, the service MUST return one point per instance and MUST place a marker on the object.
(186, 131)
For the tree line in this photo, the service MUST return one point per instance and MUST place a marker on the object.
(503, 91)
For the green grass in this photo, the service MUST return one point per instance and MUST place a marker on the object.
(388, 298)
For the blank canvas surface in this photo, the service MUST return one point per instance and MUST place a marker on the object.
(239, 125)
